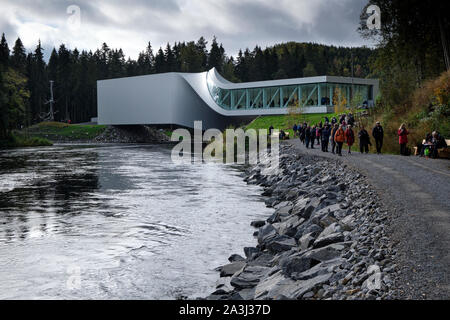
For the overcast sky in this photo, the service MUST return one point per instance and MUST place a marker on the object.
(130, 24)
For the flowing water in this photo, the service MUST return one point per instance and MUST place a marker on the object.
(118, 222)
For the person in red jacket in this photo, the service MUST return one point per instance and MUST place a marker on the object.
(349, 137)
(403, 139)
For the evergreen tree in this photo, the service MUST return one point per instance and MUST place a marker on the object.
(19, 57)
(191, 58)
(3, 106)
(256, 68)
(160, 62)
(116, 64)
(169, 59)
(202, 52)
(146, 61)
(177, 56)
(4, 51)
(38, 82)
(216, 56)
(228, 70)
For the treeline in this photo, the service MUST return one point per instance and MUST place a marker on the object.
(413, 64)
(413, 45)
(75, 73)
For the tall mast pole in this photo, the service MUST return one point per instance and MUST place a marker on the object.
(51, 101)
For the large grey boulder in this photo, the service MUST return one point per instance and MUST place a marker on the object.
(266, 233)
(280, 243)
(251, 252)
(235, 257)
(310, 208)
(296, 263)
(289, 226)
(258, 223)
(328, 239)
(274, 287)
(319, 269)
(248, 277)
(327, 220)
(320, 213)
(283, 204)
(332, 228)
(265, 259)
(307, 227)
(229, 269)
(280, 214)
(329, 252)
(247, 294)
(306, 241)
(304, 286)
(300, 206)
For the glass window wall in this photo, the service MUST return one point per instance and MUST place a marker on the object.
(308, 95)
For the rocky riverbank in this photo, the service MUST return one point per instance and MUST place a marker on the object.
(91, 133)
(131, 134)
(325, 240)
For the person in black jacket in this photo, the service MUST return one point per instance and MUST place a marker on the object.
(364, 140)
(312, 135)
(325, 136)
(307, 136)
(378, 134)
(302, 133)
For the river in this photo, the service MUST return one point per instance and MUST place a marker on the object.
(118, 222)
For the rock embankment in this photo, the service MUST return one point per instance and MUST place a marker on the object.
(325, 240)
(131, 134)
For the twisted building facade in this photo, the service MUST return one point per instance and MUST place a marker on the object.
(182, 98)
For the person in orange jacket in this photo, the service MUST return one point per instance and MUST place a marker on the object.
(339, 138)
(350, 137)
(403, 139)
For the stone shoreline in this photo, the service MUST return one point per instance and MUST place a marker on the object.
(120, 134)
(326, 239)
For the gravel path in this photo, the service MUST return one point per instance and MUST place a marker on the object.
(416, 191)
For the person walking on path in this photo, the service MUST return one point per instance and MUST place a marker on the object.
(302, 133)
(403, 139)
(378, 134)
(333, 132)
(326, 131)
(350, 138)
(295, 128)
(339, 137)
(364, 140)
(312, 135)
(307, 136)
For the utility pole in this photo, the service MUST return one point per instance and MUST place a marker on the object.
(51, 101)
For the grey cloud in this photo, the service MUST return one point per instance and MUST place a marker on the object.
(258, 21)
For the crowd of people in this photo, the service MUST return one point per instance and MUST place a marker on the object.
(337, 133)
(340, 131)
